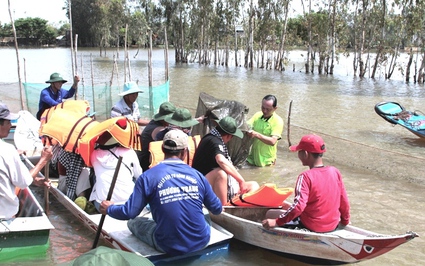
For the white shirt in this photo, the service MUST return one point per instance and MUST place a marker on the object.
(13, 173)
(104, 164)
(122, 109)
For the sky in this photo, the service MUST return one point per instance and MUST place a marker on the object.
(50, 10)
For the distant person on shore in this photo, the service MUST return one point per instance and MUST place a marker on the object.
(212, 159)
(128, 105)
(176, 194)
(267, 127)
(13, 173)
(55, 94)
(166, 109)
(320, 202)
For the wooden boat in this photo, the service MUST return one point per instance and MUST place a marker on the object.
(396, 114)
(28, 234)
(344, 245)
(116, 233)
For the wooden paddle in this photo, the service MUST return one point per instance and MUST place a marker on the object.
(46, 189)
(289, 123)
(111, 190)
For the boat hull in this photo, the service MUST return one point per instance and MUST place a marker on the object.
(347, 245)
(25, 237)
(115, 233)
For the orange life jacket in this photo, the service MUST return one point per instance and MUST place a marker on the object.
(123, 130)
(155, 148)
(268, 195)
(67, 127)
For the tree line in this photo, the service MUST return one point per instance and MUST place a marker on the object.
(263, 31)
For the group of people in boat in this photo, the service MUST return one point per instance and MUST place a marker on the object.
(174, 191)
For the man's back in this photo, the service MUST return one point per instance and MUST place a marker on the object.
(176, 194)
(323, 198)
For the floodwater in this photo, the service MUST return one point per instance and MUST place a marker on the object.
(383, 166)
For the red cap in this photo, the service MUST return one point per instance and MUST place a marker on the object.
(311, 143)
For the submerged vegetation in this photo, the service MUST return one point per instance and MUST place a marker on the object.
(211, 31)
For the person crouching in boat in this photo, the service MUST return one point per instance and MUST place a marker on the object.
(181, 119)
(213, 160)
(13, 172)
(320, 201)
(104, 160)
(175, 193)
(55, 94)
(149, 132)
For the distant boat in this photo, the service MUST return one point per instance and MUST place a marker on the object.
(27, 235)
(396, 114)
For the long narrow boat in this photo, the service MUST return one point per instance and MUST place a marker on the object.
(396, 114)
(116, 233)
(344, 245)
(27, 235)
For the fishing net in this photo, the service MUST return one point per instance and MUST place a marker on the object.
(103, 96)
(213, 109)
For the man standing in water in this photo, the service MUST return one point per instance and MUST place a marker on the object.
(320, 202)
(267, 127)
(55, 94)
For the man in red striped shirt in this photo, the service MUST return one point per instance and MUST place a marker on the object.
(320, 202)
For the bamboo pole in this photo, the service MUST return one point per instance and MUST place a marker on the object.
(125, 54)
(166, 54)
(71, 37)
(21, 92)
(289, 124)
(92, 82)
(150, 74)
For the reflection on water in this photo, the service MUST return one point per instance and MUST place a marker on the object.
(382, 165)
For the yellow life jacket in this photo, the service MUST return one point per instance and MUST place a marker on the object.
(268, 195)
(155, 148)
(79, 107)
(66, 127)
(123, 130)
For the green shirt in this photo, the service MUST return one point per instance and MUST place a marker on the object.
(262, 154)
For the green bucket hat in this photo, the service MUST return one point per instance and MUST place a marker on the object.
(165, 109)
(56, 77)
(107, 256)
(228, 124)
(181, 118)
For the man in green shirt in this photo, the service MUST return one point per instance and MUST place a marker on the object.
(267, 128)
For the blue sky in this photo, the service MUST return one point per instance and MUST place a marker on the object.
(50, 10)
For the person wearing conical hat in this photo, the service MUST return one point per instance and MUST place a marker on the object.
(128, 105)
(166, 109)
(213, 160)
(55, 94)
